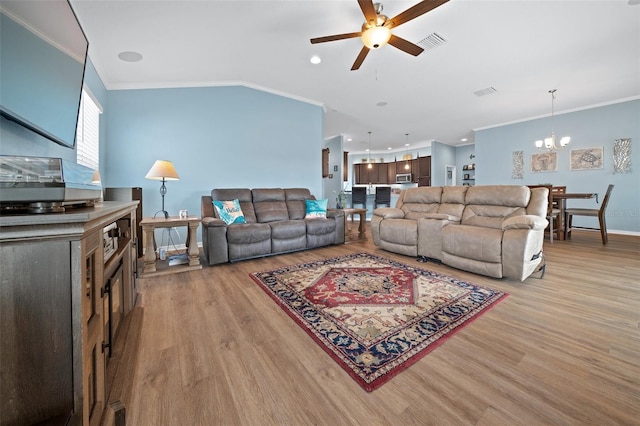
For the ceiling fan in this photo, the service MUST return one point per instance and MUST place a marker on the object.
(376, 31)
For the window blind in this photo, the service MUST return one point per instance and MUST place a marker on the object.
(88, 131)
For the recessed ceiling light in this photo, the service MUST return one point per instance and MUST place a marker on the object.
(367, 150)
(406, 144)
(349, 139)
(130, 56)
(389, 148)
(381, 104)
(315, 59)
(463, 139)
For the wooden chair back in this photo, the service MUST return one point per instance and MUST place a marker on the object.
(359, 196)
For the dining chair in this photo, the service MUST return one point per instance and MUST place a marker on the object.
(359, 196)
(599, 213)
(553, 214)
(383, 196)
(558, 190)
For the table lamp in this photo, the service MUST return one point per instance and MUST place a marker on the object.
(162, 170)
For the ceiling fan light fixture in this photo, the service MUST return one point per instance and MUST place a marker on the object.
(375, 37)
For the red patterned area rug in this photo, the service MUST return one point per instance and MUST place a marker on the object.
(373, 315)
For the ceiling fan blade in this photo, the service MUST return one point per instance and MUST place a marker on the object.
(405, 46)
(334, 37)
(360, 58)
(413, 12)
(368, 10)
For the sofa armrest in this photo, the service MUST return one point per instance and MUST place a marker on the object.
(214, 240)
(389, 213)
(212, 221)
(535, 223)
(335, 214)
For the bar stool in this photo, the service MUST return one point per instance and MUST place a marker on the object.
(383, 196)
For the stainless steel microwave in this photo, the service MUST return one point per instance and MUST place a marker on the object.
(403, 178)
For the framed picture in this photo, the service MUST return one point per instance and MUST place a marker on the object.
(587, 158)
(466, 176)
(465, 167)
(545, 162)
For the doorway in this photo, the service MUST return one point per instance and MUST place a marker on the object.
(449, 175)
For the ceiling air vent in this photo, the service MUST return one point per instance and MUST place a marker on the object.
(487, 91)
(432, 41)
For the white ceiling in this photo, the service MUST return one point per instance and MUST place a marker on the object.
(588, 50)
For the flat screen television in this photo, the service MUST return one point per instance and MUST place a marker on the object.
(43, 53)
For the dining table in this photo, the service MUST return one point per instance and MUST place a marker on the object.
(562, 198)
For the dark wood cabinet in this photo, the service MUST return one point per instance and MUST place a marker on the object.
(403, 166)
(422, 174)
(385, 173)
(325, 162)
(345, 166)
(54, 285)
(391, 173)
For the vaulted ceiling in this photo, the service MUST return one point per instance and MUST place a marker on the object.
(588, 50)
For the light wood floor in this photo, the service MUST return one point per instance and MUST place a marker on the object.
(217, 350)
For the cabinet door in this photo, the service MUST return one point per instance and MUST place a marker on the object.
(403, 166)
(424, 181)
(391, 172)
(424, 164)
(415, 169)
(357, 174)
(369, 174)
(36, 360)
(383, 172)
(93, 358)
(325, 162)
(345, 166)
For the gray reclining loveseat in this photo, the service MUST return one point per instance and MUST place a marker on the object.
(494, 230)
(275, 223)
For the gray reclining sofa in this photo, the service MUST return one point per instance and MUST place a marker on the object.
(275, 223)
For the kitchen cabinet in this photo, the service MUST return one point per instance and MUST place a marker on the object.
(385, 173)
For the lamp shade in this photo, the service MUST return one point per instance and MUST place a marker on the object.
(162, 169)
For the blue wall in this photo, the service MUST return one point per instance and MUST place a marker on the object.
(595, 127)
(216, 137)
(441, 156)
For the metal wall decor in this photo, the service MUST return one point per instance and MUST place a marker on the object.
(517, 159)
(622, 156)
(587, 158)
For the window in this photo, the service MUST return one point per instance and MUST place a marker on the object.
(88, 131)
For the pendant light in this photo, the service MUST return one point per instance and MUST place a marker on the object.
(369, 166)
(549, 144)
(407, 166)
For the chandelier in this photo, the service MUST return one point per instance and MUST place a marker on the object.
(549, 144)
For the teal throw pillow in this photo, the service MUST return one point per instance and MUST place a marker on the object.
(316, 209)
(229, 211)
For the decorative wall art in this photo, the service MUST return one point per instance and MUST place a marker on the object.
(622, 156)
(517, 158)
(586, 159)
(545, 162)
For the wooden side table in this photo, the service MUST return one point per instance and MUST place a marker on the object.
(149, 225)
(363, 221)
